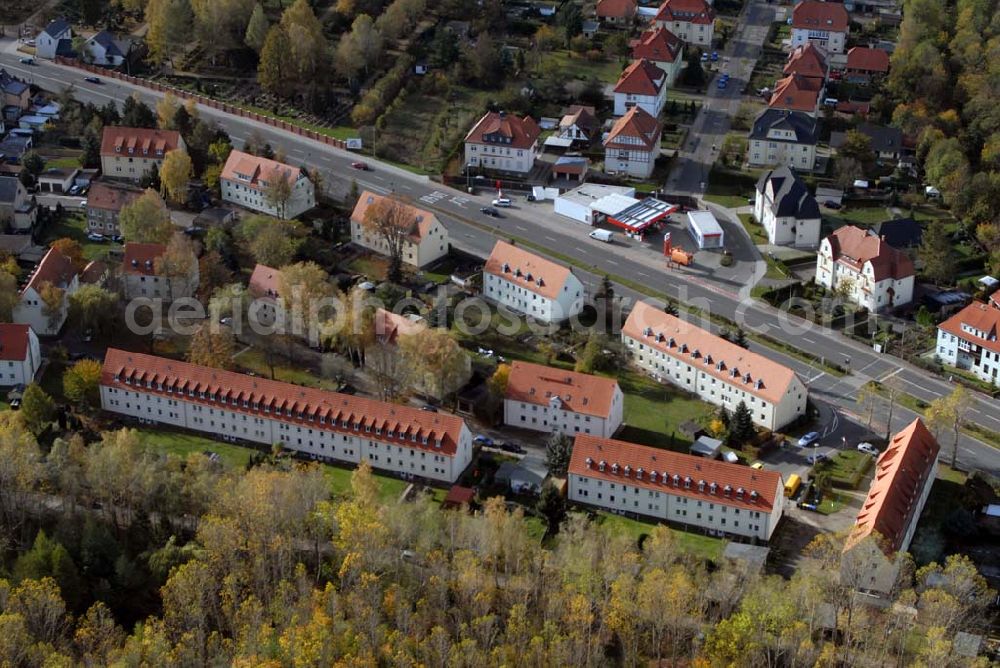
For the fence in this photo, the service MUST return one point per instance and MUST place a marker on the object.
(206, 101)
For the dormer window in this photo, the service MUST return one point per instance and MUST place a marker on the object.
(600, 465)
(713, 488)
(614, 467)
(589, 462)
(701, 485)
(687, 482)
(638, 473)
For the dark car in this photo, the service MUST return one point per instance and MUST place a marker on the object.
(490, 211)
(483, 440)
(429, 408)
(832, 204)
(93, 80)
(363, 166)
(511, 446)
(530, 198)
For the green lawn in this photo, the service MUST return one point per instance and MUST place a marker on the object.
(73, 225)
(372, 267)
(728, 201)
(65, 162)
(254, 360)
(655, 411)
(573, 66)
(753, 228)
(691, 543)
(389, 490)
(860, 215)
(832, 503)
(848, 466)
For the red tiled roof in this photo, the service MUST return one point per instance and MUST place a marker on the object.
(666, 464)
(527, 270)
(618, 9)
(981, 317)
(659, 45)
(521, 132)
(854, 246)
(642, 77)
(94, 272)
(13, 342)
(867, 60)
(796, 93)
(55, 268)
(116, 141)
(458, 496)
(357, 412)
(579, 392)
(390, 326)
(806, 60)
(140, 259)
(816, 15)
(754, 373)
(265, 281)
(899, 478)
(689, 11)
(637, 123)
(104, 195)
(255, 172)
(580, 115)
(423, 221)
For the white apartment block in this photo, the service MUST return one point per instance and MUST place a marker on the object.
(20, 354)
(825, 24)
(426, 239)
(691, 20)
(56, 270)
(530, 284)
(786, 209)
(968, 340)
(633, 144)
(782, 137)
(246, 181)
(503, 143)
(642, 84)
(130, 153)
(140, 278)
(864, 269)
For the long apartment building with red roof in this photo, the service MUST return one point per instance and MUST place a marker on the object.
(716, 370)
(320, 424)
(713, 496)
(526, 283)
(130, 153)
(248, 181)
(970, 339)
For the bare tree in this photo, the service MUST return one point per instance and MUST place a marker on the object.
(390, 370)
(390, 222)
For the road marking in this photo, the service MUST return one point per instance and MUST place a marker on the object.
(816, 377)
(522, 228)
(890, 375)
(611, 262)
(433, 197)
(459, 201)
(550, 238)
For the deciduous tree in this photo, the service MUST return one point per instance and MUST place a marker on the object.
(169, 26)
(440, 365)
(71, 249)
(274, 70)
(37, 409)
(175, 174)
(277, 193)
(950, 412)
(211, 348)
(257, 29)
(9, 296)
(82, 384)
(146, 219)
(307, 299)
(180, 264)
(53, 300)
(391, 224)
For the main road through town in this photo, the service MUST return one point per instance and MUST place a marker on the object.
(536, 225)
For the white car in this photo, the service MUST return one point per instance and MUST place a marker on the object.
(501, 201)
(868, 448)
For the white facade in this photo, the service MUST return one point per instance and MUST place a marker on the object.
(499, 157)
(784, 230)
(780, 148)
(652, 104)
(831, 41)
(303, 197)
(46, 43)
(968, 340)
(699, 34)
(859, 285)
(577, 204)
(553, 417)
(705, 230)
(637, 162)
(567, 303)
(20, 371)
(166, 288)
(30, 310)
(417, 252)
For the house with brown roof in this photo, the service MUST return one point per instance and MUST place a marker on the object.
(864, 269)
(633, 144)
(807, 60)
(56, 277)
(662, 48)
(722, 373)
(969, 340)
(825, 24)
(691, 20)
(904, 475)
(642, 84)
(616, 12)
(20, 354)
(579, 124)
(265, 292)
(551, 400)
(797, 93)
(425, 238)
(143, 277)
(319, 424)
(246, 180)
(104, 203)
(502, 142)
(129, 153)
(865, 64)
(518, 279)
(714, 497)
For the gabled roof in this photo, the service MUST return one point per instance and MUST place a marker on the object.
(866, 59)
(581, 116)
(256, 172)
(55, 268)
(899, 232)
(717, 357)
(853, 247)
(14, 341)
(390, 326)
(883, 138)
(304, 405)
(56, 28)
(11, 84)
(791, 197)
(900, 473)
(618, 9)
(8, 189)
(265, 281)
(659, 45)
(689, 11)
(421, 221)
(506, 129)
(801, 125)
(981, 317)
(816, 15)
(736, 485)
(527, 270)
(108, 41)
(796, 93)
(144, 142)
(140, 259)
(111, 196)
(807, 60)
(636, 123)
(577, 392)
(642, 77)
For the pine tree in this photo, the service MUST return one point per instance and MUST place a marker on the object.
(257, 29)
(741, 429)
(558, 450)
(740, 338)
(552, 506)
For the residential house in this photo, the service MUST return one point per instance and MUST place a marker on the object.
(807, 60)
(20, 354)
(16, 95)
(129, 153)
(786, 209)
(142, 278)
(903, 233)
(714, 497)
(825, 24)
(96, 273)
(714, 369)
(797, 93)
(616, 12)
(501, 142)
(105, 201)
(633, 144)
(547, 399)
(904, 475)
(691, 20)
(662, 48)
(13, 147)
(968, 340)
(865, 64)
(780, 137)
(264, 287)
(426, 239)
(886, 141)
(642, 84)
(57, 179)
(55, 270)
(319, 424)
(105, 49)
(54, 39)
(18, 211)
(527, 283)
(246, 180)
(579, 124)
(864, 269)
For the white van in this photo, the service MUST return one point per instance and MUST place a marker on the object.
(603, 235)
(501, 201)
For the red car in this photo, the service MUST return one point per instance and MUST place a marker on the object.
(363, 166)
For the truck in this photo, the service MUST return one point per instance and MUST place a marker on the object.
(603, 235)
(792, 485)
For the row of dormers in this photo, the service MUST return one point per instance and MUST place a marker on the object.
(665, 478)
(526, 276)
(719, 364)
(145, 151)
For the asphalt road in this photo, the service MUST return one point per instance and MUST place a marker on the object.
(471, 231)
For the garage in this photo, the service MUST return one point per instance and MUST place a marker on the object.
(705, 230)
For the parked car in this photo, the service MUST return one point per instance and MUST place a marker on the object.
(530, 198)
(483, 440)
(490, 211)
(363, 166)
(722, 84)
(715, 56)
(83, 204)
(757, 465)
(74, 190)
(501, 201)
(704, 57)
(93, 80)
(94, 236)
(429, 408)
(810, 439)
(817, 457)
(868, 448)
(832, 204)
(27, 61)
(511, 446)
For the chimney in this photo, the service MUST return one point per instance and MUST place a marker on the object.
(503, 114)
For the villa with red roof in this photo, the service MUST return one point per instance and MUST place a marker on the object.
(20, 354)
(691, 20)
(716, 497)
(616, 12)
(642, 84)
(426, 239)
(662, 48)
(797, 93)
(633, 144)
(143, 278)
(970, 340)
(904, 475)
(54, 271)
(247, 180)
(807, 60)
(547, 399)
(526, 283)
(502, 142)
(825, 24)
(129, 153)
(322, 425)
(864, 269)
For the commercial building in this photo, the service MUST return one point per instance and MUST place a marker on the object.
(825, 24)
(425, 238)
(968, 340)
(57, 271)
(530, 284)
(20, 354)
(691, 20)
(547, 399)
(323, 425)
(786, 209)
(718, 498)
(865, 269)
(642, 84)
(781, 137)
(502, 142)
(130, 153)
(716, 370)
(633, 144)
(247, 180)
(582, 203)
(705, 230)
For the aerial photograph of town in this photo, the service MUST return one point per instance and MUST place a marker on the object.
(474, 333)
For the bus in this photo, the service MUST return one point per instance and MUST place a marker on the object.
(793, 484)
